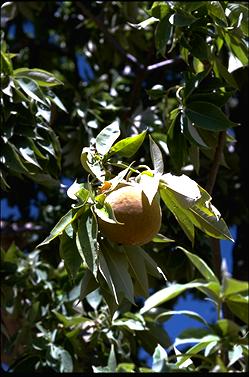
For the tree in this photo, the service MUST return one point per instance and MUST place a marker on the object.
(110, 93)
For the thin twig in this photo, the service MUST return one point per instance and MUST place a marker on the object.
(132, 59)
(209, 187)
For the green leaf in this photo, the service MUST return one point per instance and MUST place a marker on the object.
(128, 147)
(238, 305)
(215, 9)
(202, 344)
(156, 157)
(31, 88)
(92, 164)
(42, 77)
(86, 240)
(160, 357)
(106, 213)
(164, 316)
(237, 47)
(150, 264)
(67, 219)
(145, 23)
(162, 35)
(168, 293)
(129, 324)
(118, 267)
(191, 132)
(208, 116)
(70, 254)
(223, 72)
(159, 9)
(149, 185)
(52, 97)
(209, 221)
(125, 368)
(112, 362)
(182, 19)
(232, 286)
(227, 328)
(105, 272)
(160, 238)
(180, 214)
(69, 320)
(106, 138)
(11, 159)
(201, 266)
(193, 82)
(88, 284)
(94, 298)
(177, 143)
(138, 269)
(6, 64)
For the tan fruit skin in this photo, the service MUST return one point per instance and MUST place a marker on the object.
(142, 221)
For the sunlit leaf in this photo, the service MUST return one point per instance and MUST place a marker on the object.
(107, 137)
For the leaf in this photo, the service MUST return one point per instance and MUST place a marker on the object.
(149, 185)
(202, 344)
(42, 77)
(168, 293)
(11, 159)
(164, 316)
(88, 284)
(31, 88)
(86, 240)
(188, 190)
(193, 82)
(215, 9)
(159, 358)
(129, 324)
(182, 19)
(118, 267)
(176, 142)
(70, 254)
(238, 305)
(69, 320)
(144, 24)
(28, 154)
(191, 132)
(150, 264)
(94, 299)
(201, 266)
(227, 328)
(106, 213)
(209, 221)
(91, 164)
(180, 214)
(156, 157)
(235, 354)
(104, 270)
(159, 9)
(208, 116)
(106, 138)
(138, 269)
(112, 362)
(223, 72)
(162, 35)
(128, 147)
(233, 286)
(67, 219)
(160, 238)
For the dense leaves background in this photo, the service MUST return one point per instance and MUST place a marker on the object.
(69, 70)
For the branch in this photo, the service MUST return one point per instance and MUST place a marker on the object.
(132, 59)
(209, 187)
(216, 162)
